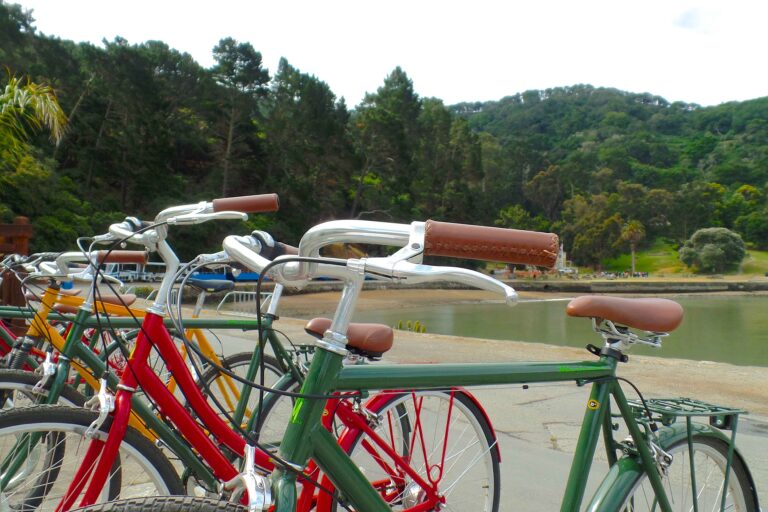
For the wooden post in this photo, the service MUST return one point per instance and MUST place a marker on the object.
(14, 239)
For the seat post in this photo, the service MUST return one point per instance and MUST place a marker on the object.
(198, 304)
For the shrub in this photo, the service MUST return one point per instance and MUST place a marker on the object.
(713, 250)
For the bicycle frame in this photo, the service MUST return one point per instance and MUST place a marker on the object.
(101, 455)
(304, 439)
(73, 349)
(7, 338)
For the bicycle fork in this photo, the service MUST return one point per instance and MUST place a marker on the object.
(101, 455)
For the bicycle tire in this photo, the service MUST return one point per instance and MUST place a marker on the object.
(275, 416)
(166, 504)
(47, 466)
(710, 457)
(461, 446)
(16, 390)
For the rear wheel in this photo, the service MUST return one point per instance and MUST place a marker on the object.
(277, 409)
(451, 461)
(710, 456)
(17, 389)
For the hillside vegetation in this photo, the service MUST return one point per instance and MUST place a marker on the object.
(149, 127)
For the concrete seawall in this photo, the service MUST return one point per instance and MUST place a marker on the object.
(573, 286)
(640, 286)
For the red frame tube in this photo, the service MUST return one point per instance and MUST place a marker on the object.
(153, 332)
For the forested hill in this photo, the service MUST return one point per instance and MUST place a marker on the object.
(590, 160)
(149, 127)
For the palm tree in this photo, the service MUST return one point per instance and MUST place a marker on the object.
(26, 107)
(632, 232)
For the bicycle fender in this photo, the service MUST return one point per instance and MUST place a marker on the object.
(615, 485)
(622, 475)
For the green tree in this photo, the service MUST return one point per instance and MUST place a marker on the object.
(433, 159)
(754, 227)
(17, 36)
(697, 205)
(516, 217)
(238, 69)
(590, 228)
(546, 191)
(386, 135)
(712, 250)
(49, 199)
(309, 156)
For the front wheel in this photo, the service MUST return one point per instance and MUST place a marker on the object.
(710, 456)
(42, 448)
(166, 504)
(17, 389)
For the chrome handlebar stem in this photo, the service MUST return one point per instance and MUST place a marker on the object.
(405, 264)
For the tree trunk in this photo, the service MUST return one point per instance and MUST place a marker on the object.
(96, 146)
(73, 112)
(359, 188)
(228, 152)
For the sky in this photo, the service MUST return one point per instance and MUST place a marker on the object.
(697, 51)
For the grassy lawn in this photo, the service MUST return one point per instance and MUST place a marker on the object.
(662, 259)
(756, 262)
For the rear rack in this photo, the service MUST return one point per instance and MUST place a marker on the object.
(667, 410)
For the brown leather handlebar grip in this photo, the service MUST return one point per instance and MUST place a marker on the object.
(490, 244)
(139, 257)
(248, 204)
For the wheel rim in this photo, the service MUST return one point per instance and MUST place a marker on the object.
(46, 473)
(709, 469)
(445, 445)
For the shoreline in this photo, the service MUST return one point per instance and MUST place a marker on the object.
(312, 302)
(651, 285)
(741, 386)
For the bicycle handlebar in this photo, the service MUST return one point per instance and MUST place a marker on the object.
(431, 238)
(234, 208)
(43, 256)
(60, 266)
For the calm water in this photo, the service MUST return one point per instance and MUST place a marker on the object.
(732, 329)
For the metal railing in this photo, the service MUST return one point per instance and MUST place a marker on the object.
(237, 303)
